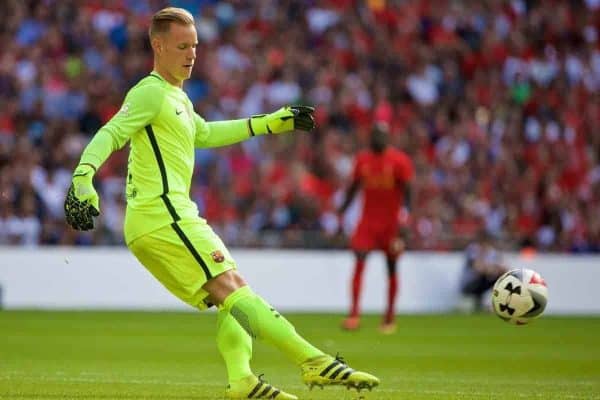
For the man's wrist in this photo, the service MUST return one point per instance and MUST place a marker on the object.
(90, 165)
(257, 125)
(84, 169)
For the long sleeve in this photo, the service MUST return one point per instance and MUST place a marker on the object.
(140, 107)
(220, 133)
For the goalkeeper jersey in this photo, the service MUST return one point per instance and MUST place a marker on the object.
(159, 121)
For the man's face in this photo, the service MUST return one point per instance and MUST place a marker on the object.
(176, 50)
(378, 140)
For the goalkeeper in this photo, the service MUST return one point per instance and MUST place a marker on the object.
(162, 226)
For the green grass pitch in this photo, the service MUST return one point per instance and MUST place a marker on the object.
(173, 356)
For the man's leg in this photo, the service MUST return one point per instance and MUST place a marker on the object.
(485, 284)
(184, 257)
(388, 324)
(235, 345)
(476, 287)
(262, 321)
(257, 317)
(352, 322)
(470, 293)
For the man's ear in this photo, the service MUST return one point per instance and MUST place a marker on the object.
(156, 44)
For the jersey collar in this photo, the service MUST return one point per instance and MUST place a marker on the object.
(157, 75)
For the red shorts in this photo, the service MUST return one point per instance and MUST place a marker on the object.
(369, 236)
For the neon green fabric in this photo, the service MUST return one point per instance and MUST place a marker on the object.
(82, 184)
(234, 345)
(183, 257)
(263, 322)
(159, 121)
(220, 133)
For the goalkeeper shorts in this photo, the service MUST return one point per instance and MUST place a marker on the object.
(183, 256)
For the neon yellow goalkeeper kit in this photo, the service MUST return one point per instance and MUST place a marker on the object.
(159, 120)
(165, 233)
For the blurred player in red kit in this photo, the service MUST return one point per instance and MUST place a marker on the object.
(384, 175)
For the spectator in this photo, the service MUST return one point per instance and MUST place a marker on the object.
(483, 266)
(496, 102)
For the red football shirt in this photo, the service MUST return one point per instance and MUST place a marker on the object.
(382, 178)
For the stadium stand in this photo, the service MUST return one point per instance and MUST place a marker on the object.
(497, 102)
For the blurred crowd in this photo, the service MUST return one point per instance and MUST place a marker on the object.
(496, 101)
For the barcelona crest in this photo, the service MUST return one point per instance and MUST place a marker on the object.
(217, 256)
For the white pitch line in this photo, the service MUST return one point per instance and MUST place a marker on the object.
(482, 394)
(294, 386)
(549, 381)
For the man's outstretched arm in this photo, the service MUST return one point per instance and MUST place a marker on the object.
(82, 203)
(225, 133)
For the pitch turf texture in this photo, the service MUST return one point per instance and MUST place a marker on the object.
(173, 356)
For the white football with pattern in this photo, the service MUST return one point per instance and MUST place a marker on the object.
(519, 296)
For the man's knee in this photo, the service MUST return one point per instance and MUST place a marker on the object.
(222, 285)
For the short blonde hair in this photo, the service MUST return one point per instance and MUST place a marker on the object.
(161, 21)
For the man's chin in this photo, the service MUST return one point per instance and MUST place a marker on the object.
(181, 78)
(185, 76)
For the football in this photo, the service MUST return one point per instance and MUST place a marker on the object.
(519, 296)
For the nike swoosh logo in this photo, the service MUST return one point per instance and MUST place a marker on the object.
(178, 112)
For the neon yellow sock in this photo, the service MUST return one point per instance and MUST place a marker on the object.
(262, 321)
(235, 346)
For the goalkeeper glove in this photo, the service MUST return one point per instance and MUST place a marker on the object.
(81, 203)
(285, 119)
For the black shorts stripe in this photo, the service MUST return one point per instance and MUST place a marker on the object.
(191, 248)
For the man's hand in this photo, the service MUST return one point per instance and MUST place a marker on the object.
(397, 246)
(286, 119)
(81, 203)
